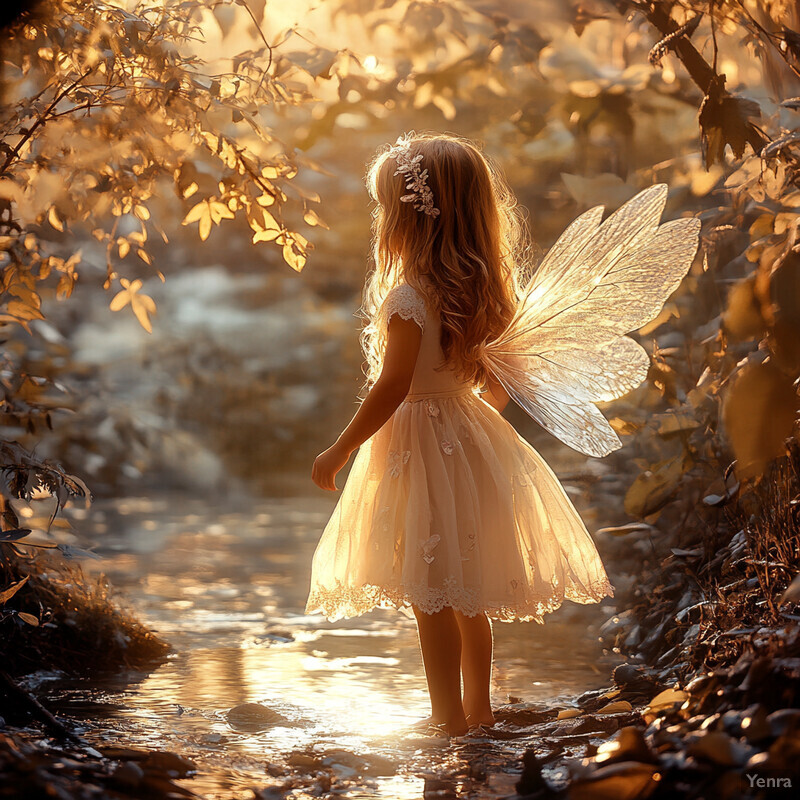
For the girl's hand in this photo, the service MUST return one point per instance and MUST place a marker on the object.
(327, 464)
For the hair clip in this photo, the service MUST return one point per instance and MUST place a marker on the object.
(416, 179)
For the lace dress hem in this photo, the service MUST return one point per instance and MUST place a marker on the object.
(351, 601)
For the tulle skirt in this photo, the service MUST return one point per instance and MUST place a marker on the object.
(446, 505)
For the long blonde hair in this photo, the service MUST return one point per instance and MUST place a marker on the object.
(469, 261)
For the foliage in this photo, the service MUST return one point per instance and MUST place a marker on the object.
(103, 106)
(70, 622)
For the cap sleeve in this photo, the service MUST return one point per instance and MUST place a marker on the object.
(406, 301)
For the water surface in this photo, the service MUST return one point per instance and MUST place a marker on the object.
(225, 584)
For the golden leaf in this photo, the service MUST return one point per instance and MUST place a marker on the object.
(265, 236)
(52, 218)
(293, 255)
(312, 218)
(195, 213)
(204, 228)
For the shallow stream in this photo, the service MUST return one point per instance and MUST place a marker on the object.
(225, 584)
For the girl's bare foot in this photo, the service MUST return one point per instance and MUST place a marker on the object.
(457, 727)
(423, 724)
(486, 720)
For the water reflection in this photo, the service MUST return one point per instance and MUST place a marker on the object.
(226, 587)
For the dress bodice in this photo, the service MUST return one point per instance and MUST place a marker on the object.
(433, 375)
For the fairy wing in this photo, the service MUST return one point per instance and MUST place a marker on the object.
(565, 348)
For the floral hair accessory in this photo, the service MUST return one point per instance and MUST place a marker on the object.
(416, 179)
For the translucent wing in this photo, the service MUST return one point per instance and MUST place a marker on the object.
(565, 348)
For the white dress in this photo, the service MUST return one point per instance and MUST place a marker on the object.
(446, 505)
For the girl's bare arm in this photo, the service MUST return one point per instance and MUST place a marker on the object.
(402, 348)
(495, 395)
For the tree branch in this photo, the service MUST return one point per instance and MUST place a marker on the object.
(40, 121)
(698, 68)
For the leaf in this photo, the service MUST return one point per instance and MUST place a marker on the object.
(725, 120)
(14, 534)
(294, 252)
(195, 213)
(631, 527)
(654, 487)
(8, 593)
(312, 218)
(666, 699)
(120, 300)
(23, 310)
(29, 618)
(265, 236)
(759, 412)
(672, 422)
(617, 707)
(142, 305)
(52, 218)
(742, 319)
(206, 212)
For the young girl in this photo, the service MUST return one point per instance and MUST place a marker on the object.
(446, 508)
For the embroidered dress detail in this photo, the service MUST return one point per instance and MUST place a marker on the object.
(406, 301)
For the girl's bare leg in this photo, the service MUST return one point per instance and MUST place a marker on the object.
(440, 642)
(476, 667)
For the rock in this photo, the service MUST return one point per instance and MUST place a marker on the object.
(750, 723)
(716, 747)
(373, 765)
(627, 780)
(532, 783)
(524, 715)
(172, 763)
(783, 721)
(253, 717)
(700, 684)
(304, 761)
(784, 752)
(615, 707)
(128, 774)
(625, 674)
(270, 793)
(628, 744)
(342, 771)
(439, 789)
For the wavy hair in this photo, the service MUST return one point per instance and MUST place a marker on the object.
(469, 261)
